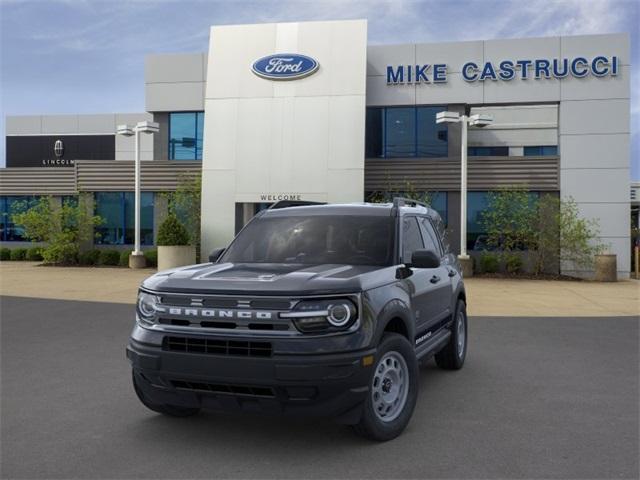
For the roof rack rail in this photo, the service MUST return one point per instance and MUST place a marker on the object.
(294, 203)
(401, 202)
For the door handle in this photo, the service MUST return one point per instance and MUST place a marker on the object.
(435, 279)
(452, 272)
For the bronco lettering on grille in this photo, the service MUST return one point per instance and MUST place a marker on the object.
(216, 313)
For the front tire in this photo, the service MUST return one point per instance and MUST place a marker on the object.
(452, 356)
(170, 410)
(393, 390)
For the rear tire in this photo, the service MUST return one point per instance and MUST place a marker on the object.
(170, 410)
(393, 390)
(452, 356)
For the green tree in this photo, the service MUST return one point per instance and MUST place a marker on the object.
(562, 236)
(185, 204)
(61, 227)
(509, 219)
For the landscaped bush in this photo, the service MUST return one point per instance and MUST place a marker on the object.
(513, 263)
(489, 262)
(61, 228)
(172, 232)
(124, 258)
(18, 253)
(5, 254)
(152, 257)
(90, 257)
(34, 254)
(109, 257)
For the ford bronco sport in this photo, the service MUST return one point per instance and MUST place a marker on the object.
(312, 309)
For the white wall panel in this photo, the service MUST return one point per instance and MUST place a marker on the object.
(284, 136)
(23, 125)
(174, 97)
(172, 68)
(595, 151)
(613, 218)
(596, 185)
(594, 117)
(55, 124)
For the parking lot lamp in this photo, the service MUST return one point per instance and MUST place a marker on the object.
(136, 259)
(478, 120)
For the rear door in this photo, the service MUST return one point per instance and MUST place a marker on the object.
(421, 288)
(441, 287)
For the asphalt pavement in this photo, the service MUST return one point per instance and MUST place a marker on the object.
(538, 398)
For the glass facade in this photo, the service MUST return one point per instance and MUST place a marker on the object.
(117, 212)
(541, 151)
(10, 205)
(405, 132)
(185, 135)
(488, 151)
(439, 202)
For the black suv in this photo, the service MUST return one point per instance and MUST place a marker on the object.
(312, 309)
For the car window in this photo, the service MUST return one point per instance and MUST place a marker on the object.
(315, 240)
(429, 235)
(411, 238)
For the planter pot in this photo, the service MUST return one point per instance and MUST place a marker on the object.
(606, 269)
(175, 256)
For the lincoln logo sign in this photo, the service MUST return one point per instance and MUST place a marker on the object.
(58, 148)
(285, 66)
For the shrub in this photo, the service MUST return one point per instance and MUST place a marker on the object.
(124, 258)
(62, 228)
(152, 258)
(489, 262)
(172, 232)
(109, 257)
(34, 254)
(18, 254)
(513, 263)
(5, 254)
(89, 257)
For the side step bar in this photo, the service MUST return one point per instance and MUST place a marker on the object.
(433, 344)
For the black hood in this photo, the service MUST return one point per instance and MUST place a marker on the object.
(270, 279)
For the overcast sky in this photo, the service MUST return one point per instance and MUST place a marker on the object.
(84, 56)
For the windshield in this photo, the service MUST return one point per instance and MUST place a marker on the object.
(315, 240)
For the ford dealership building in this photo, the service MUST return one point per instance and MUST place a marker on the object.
(310, 111)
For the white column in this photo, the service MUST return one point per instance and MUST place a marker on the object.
(463, 190)
(136, 248)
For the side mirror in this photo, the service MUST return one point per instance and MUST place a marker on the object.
(215, 254)
(425, 259)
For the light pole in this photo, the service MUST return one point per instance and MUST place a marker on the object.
(478, 120)
(136, 259)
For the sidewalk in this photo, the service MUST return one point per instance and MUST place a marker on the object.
(485, 297)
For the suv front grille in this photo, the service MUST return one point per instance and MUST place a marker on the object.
(250, 390)
(217, 347)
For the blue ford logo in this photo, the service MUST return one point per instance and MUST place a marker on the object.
(284, 66)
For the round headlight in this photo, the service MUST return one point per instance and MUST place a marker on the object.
(339, 314)
(147, 305)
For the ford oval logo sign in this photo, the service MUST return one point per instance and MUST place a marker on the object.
(285, 66)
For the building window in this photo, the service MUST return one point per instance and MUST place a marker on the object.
(541, 151)
(185, 135)
(117, 212)
(488, 151)
(9, 206)
(439, 203)
(405, 132)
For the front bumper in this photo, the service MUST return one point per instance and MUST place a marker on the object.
(326, 385)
